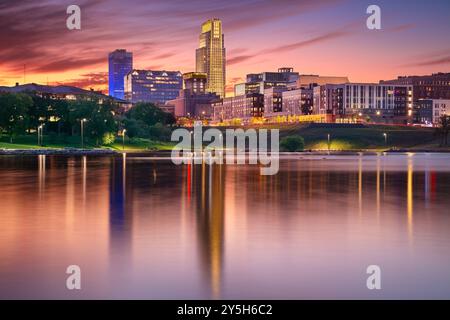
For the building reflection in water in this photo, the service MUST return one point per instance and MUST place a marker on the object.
(207, 183)
(120, 217)
(155, 230)
(41, 173)
(409, 197)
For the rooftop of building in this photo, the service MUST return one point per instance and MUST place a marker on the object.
(155, 72)
(55, 90)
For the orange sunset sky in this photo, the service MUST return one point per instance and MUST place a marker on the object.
(326, 37)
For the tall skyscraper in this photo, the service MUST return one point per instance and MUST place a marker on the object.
(120, 64)
(210, 56)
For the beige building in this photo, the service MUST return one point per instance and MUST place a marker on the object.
(305, 80)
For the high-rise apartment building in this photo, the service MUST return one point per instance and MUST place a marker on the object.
(120, 64)
(210, 56)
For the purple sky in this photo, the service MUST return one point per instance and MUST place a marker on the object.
(327, 37)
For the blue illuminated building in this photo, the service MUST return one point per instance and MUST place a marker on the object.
(120, 64)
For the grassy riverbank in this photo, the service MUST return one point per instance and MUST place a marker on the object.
(362, 137)
(27, 142)
(342, 138)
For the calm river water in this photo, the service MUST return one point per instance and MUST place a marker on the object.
(139, 227)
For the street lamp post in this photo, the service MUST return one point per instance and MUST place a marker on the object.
(39, 135)
(385, 138)
(328, 136)
(82, 132)
(123, 138)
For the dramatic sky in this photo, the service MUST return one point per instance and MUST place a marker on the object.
(326, 37)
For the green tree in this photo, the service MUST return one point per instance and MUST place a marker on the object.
(99, 117)
(40, 111)
(159, 132)
(150, 114)
(135, 128)
(14, 109)
(292, 143)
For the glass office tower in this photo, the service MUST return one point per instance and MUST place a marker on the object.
(210, 56)
(120, 64)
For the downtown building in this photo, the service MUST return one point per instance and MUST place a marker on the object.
(365, 102)
(194, 101)
(298, 101)
(259, 82)
(210, 56)
(435, 86)
(156, 87)
(239, 108)
(120, 63)
(429, 111)
(286, 104)
(427, 89)
(307, 80)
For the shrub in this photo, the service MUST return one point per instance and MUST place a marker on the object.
(108, 138)
(292, 143)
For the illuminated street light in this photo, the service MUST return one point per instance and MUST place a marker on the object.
(40, 135)
(82, 121)
(328, 136)
(385, 138)
(123, 138)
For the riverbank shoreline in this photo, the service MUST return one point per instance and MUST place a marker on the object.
(66, 152)
(101, 152)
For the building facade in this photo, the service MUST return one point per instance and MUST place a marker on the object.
(120, 63)
(194, 106)
(366, 102)
(195, 82)
(152, 86)
(329, 99)
(210, 56)
(242, 107)
(273, 101)
(298, 101)
(435, 86)
(441, 107)
(259, 82)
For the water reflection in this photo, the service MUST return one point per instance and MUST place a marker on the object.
(409, 197)
(143, 228)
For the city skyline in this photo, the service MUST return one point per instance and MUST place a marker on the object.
(325, 44)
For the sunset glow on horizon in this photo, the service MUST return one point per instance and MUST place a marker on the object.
(325, 37)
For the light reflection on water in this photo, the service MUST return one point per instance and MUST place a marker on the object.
(143, 228)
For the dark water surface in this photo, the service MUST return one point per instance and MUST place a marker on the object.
(145, 228)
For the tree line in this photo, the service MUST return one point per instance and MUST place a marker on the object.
(103, 119)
